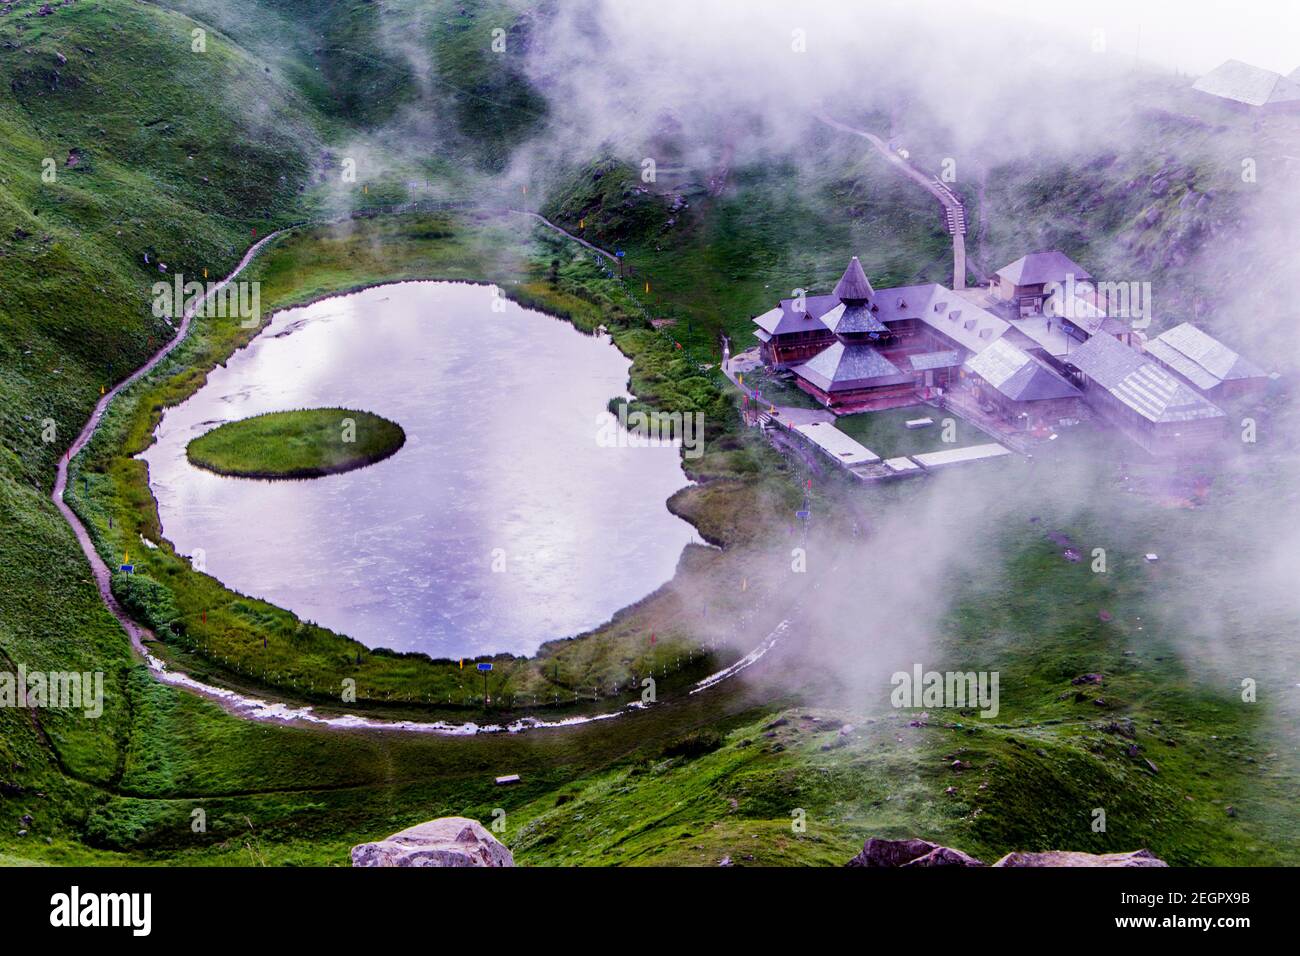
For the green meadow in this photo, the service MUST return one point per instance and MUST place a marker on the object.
(302, 443)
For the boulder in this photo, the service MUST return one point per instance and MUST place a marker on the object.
(878, 852)
(945, 856)
(1071, 858)
(447, 841)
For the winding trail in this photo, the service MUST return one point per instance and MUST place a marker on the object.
(102, 574)
(564, 232)
(952, 206)
(257, 709)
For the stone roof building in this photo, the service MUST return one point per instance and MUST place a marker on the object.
(1244, 86)
(1212, 368)
(1156, 408)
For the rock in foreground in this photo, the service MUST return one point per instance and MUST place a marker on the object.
(447, 841)
(1071, 858)
(878, 852)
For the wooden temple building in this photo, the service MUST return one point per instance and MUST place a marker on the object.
(861, 349)
(858, 347)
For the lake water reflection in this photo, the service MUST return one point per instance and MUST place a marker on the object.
(502, 467)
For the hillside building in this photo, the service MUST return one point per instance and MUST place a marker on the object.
(1242, 86)
(1056, 359)
(1021, 389)
(1025, 283)
(1209, 366)
(860, 347)
(1150, 404)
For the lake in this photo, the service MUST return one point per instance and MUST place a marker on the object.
(502, 523)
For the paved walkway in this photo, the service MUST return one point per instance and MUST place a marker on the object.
(951, 205)
(788, 415)
(564, 232)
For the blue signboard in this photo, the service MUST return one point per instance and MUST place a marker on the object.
(485, 667)
(129, 568)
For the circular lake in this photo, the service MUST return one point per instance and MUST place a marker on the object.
(504, 522)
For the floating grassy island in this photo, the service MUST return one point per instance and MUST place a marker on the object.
(306, 443)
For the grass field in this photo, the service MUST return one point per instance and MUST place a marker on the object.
(885, 433)
(304, 443)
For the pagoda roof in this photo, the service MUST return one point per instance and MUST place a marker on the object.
(853, 285)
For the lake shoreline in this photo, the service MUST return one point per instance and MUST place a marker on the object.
(188, 372)
(469, 542)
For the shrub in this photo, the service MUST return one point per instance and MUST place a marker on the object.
(695, 744)
(146, 600)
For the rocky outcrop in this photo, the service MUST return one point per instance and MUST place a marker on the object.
(1071, 858)
(447, 841)
(878, 852)
(945, 856)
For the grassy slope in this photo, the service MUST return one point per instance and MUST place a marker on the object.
(1035, 773)
(163, 168)
(723, 259)
(420, 76)
(296, 444)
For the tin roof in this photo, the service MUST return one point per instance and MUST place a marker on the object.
(840, 367)
(786, 319)
(1038, 268)
(962, 321)
(903, 302)
(930, 360)
(1138, 382)
(1200, 358)
(1018, 375)
(837, 444)
(1245, 83)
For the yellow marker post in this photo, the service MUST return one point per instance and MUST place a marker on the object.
(205, 273)
(740, 378)
(647, 288)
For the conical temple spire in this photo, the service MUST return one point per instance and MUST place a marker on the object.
(853, 285)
